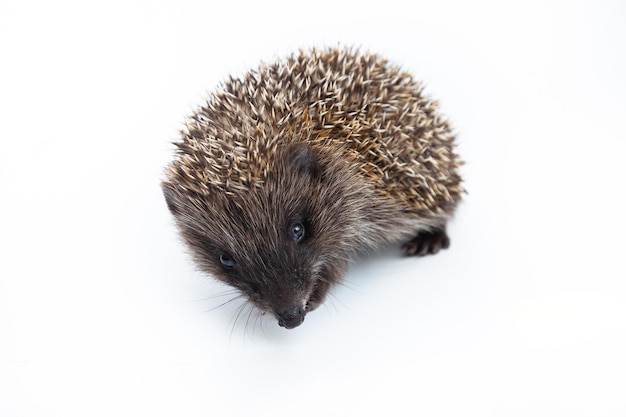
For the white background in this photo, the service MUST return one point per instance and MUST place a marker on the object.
(102, 313)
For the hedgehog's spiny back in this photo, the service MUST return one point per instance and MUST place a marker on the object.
(355, 104)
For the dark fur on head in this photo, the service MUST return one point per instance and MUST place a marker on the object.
(277, 272)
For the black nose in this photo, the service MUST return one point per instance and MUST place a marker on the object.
(291, 318)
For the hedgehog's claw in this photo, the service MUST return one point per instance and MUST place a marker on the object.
(427, 242)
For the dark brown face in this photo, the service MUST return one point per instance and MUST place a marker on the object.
(279, 244)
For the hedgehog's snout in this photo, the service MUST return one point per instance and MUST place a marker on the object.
(292, 317)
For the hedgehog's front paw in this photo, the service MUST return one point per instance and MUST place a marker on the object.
(427, 241)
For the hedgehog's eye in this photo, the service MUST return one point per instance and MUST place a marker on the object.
(227, 261)
(298, 232)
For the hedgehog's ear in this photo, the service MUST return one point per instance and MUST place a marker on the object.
(303, 160)
(170, 198)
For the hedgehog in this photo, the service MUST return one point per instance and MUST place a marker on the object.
(286, 174)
